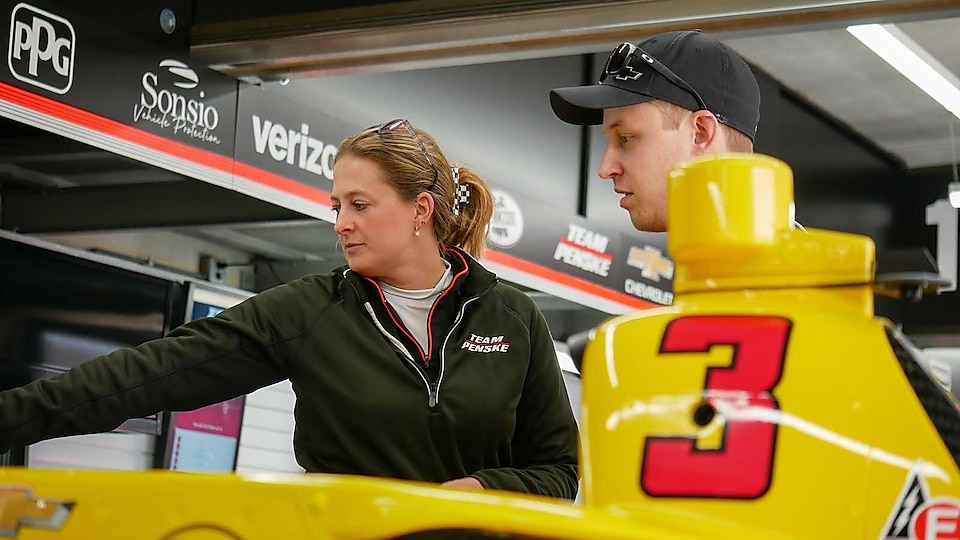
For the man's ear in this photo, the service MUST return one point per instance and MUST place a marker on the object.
(706, 128)
(423, 206)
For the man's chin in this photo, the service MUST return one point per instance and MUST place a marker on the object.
(647, 223)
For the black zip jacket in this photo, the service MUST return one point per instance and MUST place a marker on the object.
(486, 400)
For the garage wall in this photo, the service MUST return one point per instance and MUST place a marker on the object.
(493, 117)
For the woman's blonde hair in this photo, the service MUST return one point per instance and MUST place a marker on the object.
(401, 157)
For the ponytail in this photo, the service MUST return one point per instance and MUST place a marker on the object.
(473, 201)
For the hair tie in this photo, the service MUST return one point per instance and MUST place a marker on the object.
(461, 192)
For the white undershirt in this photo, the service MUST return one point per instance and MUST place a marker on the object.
(413, 307)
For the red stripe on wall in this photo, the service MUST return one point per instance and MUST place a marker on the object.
(114, 129)
(282, 183)
(155, 142)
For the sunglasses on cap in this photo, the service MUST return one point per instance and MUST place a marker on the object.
(619, 60)
(387, 127)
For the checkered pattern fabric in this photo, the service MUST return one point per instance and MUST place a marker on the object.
(461, 195)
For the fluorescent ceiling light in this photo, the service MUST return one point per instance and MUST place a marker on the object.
(912, 61)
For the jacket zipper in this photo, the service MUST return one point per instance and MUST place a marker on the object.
(433, 390)
(443, 348)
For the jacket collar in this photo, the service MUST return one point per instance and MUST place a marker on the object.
(480, 280)
(462, 266)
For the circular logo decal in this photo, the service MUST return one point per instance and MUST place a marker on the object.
(506, 226)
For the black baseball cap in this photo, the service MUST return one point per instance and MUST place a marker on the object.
(709, 74)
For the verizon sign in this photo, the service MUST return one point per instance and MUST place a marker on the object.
(293, 147)
(287, 138)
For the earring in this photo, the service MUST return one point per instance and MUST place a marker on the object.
(416, 230)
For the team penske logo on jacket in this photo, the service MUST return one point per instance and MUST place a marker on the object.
(486, 344)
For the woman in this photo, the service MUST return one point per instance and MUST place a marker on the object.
(412, 361)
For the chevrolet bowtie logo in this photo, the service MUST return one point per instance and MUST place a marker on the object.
(628, 74)
(19, 508)
(651, 262)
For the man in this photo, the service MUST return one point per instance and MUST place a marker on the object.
(675, 96)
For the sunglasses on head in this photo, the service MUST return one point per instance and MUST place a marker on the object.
(619, 60)
(387, 127)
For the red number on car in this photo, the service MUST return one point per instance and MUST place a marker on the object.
(742, 466)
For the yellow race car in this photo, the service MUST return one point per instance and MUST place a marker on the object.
(767, 402)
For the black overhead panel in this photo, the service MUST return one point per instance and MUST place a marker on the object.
(141, 19)
(344, 13)
(265, 41)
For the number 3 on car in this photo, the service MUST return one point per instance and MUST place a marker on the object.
(738, 396)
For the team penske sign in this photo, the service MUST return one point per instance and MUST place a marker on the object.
(628, 263)
(584, 249)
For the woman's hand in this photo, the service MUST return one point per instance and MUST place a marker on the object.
(467, 483)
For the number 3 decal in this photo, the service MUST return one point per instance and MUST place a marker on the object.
(742, 466)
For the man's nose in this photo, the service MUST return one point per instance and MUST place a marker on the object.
(609, 165)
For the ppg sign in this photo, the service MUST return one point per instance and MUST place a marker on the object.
(41, 48)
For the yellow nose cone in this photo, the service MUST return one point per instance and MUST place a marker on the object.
(720, 206)
(731, 228)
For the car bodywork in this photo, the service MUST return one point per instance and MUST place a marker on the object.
(767, 402)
